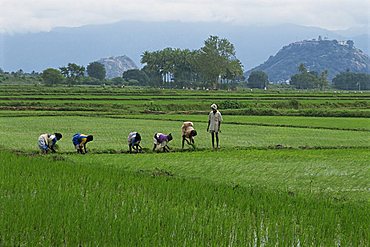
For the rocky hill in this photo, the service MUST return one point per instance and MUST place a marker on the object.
(115, 66)
(317, 55)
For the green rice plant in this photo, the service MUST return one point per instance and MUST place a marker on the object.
(46, 202)
(340, 174)
(277, 180)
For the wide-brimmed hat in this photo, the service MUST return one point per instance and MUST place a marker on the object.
(214, 106)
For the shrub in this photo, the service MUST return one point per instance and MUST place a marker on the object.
(231, 104)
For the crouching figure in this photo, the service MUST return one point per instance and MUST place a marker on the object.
(161, 142)
(47, 142)
(134, 140)
(188, 133)
(80, 141)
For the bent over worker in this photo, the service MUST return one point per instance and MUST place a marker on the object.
(188, 132)
(47, 142)
(161, 142)
(134, 140)
(80, 140)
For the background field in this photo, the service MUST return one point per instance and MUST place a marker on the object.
(138, 101)
(277, 180)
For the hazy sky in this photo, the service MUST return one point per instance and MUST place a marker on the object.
(43, 15)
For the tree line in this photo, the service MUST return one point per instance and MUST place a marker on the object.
(75, 74)
(214, 66)
(211, 66)
(352, 81)
(306, 79)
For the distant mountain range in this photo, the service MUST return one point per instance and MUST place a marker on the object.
(317, 55)
(82, 45)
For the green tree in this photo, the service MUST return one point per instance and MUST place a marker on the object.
(309, 79)
(184, 70)
(352, 81)
(155, 78)
(174, 65)
(302, 69)
(322, 81)
(258, 79)
(344, 81)
(73, 72)
(52, 76)
(234, 72)
(215, 60)
(154, 67)
(138, 75)
(117, 80)
(303, 81)
(96, 70)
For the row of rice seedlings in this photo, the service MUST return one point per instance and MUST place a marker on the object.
(56, 203)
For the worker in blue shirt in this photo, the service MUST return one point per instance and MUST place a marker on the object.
(80, 140)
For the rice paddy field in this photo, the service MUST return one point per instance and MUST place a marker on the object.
(293, 169)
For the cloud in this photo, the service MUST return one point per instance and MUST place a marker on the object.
(43, 15)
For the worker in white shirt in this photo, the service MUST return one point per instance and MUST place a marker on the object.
(47, 142)
(214, 124)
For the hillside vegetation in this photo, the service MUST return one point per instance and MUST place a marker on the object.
(316, 55)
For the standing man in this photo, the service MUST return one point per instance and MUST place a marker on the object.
(214, 124)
